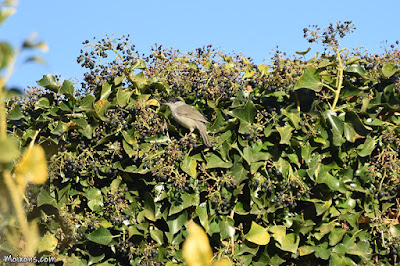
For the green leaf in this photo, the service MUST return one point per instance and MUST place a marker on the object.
(309, 80)
(105, 90)
(16, 113)
(337, 127)
(100, 236)
(149, 207)
(101, 107)
(176, 222)
(395, 230)
(326, 178)
(157, 235)
(49, 82)
(304, 52)
(87, 103)
(322, 251)
(258, 234)
(337, 260)
(349, 132)
(356, 68)
(44, 197)
(336, 235)
(67, 88)
(247, 113)
(95, 198)
(306, 250)
(42, 103)
(227, 228)
(123, 96)
(139, 64)
(286, 133)
(321, 206)
(389, 69)
(213, 161)
(189, 166)
(287, 242)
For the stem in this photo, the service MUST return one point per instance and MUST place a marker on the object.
(3, 82)
(329, 87)
(16, 198)
(339, 79)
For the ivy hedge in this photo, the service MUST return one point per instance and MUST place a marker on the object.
(304, 167)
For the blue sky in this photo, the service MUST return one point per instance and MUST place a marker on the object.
(251, 27)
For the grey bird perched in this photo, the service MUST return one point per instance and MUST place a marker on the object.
(189, 117)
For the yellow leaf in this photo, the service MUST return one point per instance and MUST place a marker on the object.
(32, 167)
(153, 102)
(258, 234)
(48, 243)
(196, 249)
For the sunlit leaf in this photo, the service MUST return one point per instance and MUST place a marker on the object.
(48, 243)
(196, 248)
(49, 82)
(258, 234)
(389, 69)
(287, 242)
(32, 167)
(100, 236)
(309, 80)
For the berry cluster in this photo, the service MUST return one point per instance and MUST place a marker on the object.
(331, 34)
(100, 72)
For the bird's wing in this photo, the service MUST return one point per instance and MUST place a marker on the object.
(190, 112)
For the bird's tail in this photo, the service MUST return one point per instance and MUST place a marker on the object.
(203, 132)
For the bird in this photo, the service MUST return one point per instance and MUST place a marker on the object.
(189, 118)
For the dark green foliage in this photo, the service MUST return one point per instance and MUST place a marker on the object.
(308, 150)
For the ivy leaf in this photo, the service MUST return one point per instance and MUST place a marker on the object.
(337, 127)
(263, 69)
(95, 198)
(44, 197)
(123, 96)
(367, 147)
(257, 234)
(309, 80)
(326, 178)
(304, 52)
(286, 133)
(16, 113)
(214, 161)
(48, 243)
(389, 69)
(189, 166)
(227, 228)
(177, 221)
(287, 242)
(42, 103)
(100, 236)
(67, 88)
(49, 82)
(157, 235)
(105, 91)
(356, 68)
(336, 235)
(247, 113)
